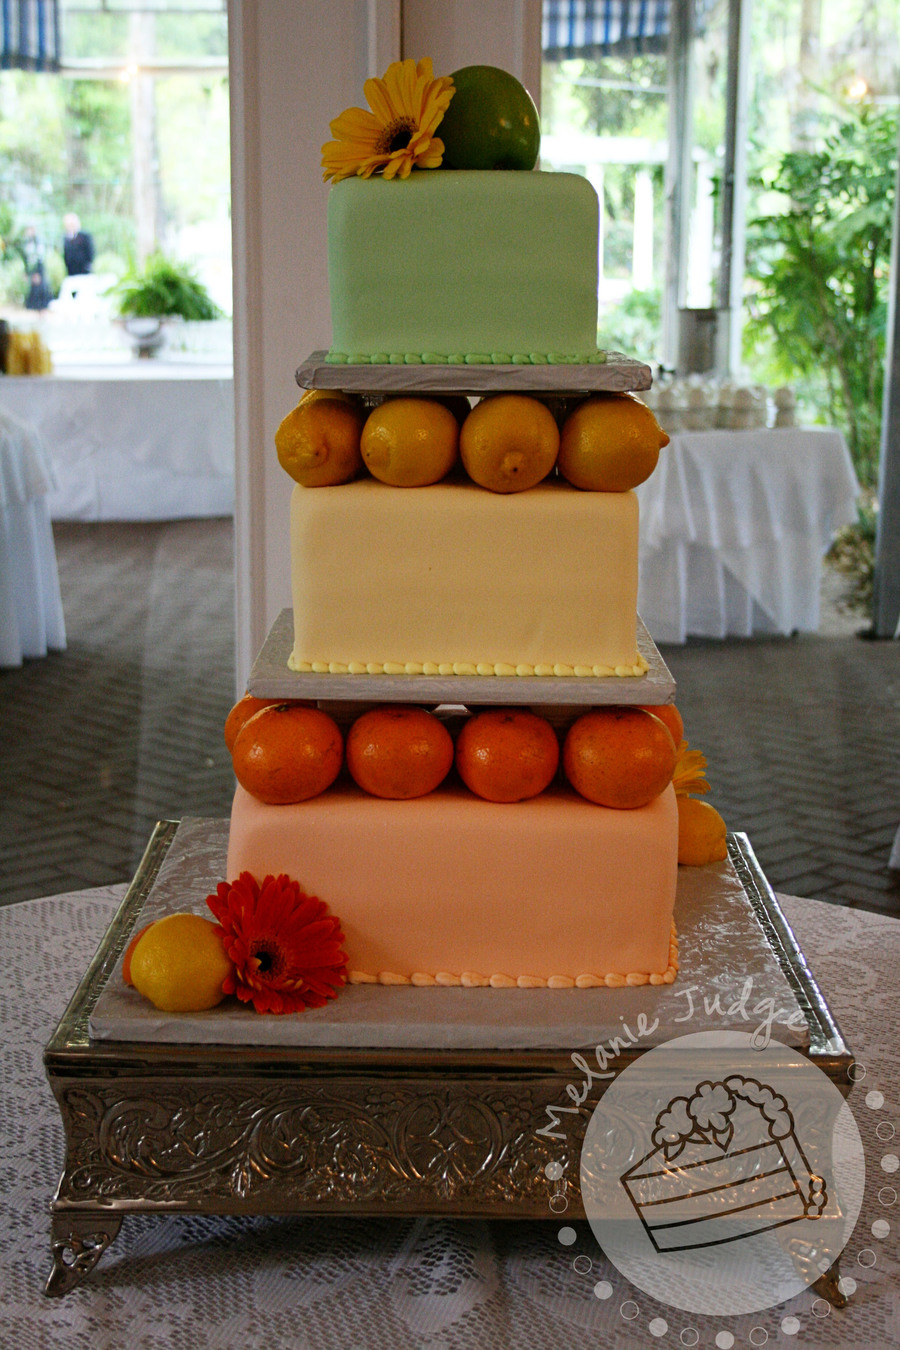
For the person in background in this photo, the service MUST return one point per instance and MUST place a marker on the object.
(32, 251)
(78, 246)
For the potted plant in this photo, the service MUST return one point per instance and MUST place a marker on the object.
(161, 291)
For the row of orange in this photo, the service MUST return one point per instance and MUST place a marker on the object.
(286, 752)
(506, 443)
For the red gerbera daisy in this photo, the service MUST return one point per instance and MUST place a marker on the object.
(287, 949)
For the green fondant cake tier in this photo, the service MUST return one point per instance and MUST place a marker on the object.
(468, 267)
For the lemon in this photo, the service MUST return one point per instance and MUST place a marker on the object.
(458, 404)
(179, 964)
(610, 443)
(313, 396)
(129, 951)
(318, 442)
(508, 443)
(410, 442)
(701, 833)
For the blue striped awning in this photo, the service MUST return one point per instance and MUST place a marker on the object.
(29, 35)
(592, 28)
(586, 28)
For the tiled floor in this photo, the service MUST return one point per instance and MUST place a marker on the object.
(803, 741)
(125, 727)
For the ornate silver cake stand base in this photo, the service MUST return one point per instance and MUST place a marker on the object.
(288, 1129)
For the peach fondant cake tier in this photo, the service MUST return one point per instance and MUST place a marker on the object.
(451, 579)
(451, 889)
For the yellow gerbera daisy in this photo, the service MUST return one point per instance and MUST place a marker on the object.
(398, 134)
(689, 775)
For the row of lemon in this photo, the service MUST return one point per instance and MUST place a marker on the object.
(507, 443)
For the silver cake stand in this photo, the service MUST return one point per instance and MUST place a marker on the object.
(367, 1107)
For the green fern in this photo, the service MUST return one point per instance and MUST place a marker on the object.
(162, 289)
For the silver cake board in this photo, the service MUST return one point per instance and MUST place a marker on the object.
(271, 677)
(722, 945)
(616, 374)
(353, 1113)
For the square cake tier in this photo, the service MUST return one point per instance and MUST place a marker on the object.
(451, 889)
(453, 579)
(462, 266)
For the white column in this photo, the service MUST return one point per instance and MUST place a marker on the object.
(454, 33)
(293, 67)
(886, 606)
(699, 279)
(734, 188)
(144, 156)
(642, 250)
(679, 173)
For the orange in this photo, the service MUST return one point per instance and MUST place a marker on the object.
(410, 442)
(610, 443)
(508, 443)
(180, 964)
(318, 443)
(244, 708)
(507, 754)
(701, 833)
(669, 715)
(399, 752)
(621, 757)
(287, 753)
(129, 952)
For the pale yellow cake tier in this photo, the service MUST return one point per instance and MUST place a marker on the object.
(450, 889)
(453, 579)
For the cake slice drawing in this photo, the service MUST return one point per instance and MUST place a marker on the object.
(726, 1165)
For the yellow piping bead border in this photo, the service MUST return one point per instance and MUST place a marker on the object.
(469, 979)
(486, 669)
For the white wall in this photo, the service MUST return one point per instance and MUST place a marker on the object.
(295, 65)
(289, 63)
(456, 33)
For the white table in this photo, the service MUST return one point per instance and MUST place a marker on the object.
(264, 1284)
(136, 441)
(31, 614)
(734, 525)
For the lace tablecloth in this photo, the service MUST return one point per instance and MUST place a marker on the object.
(188, 1283)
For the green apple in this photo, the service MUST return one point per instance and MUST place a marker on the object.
(491, 123)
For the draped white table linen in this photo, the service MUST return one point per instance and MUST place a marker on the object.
(734, 526)
(31, 613)
(133, 444)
